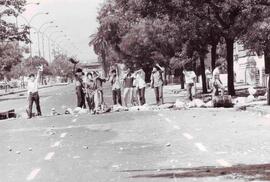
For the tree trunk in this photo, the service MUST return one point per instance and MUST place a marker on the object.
(267, 71)
(182, 80)
(230, 66)
(213, 56)
(268, 91)
(202, 67)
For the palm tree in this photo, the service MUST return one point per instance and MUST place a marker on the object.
(100, 46)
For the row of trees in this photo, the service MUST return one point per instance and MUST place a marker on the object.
(13, 37)
(180, 32)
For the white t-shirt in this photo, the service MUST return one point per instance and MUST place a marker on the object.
(32, 87)
(189, 76)
(216, 73)
(140, 80)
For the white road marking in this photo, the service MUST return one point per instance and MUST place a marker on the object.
(161, 115)
(49, 156)
(168, 120)
(74, 120)
(188, 136)
(223, 163)
(56, 144)
(220, 153)
(63, 135)
(201, 147)
(33, 174)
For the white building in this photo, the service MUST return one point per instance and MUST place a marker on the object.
(249, 68)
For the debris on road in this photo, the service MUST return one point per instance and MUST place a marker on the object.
(54, 112)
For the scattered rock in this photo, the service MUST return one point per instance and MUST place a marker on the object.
(179, 104)
(168, 145)
(18, 152)
(30, 149)
(85, 147)
(250, 99)
(9, 149)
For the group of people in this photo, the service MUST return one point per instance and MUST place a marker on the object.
(214, 82)
(134, 85)
(89, 87)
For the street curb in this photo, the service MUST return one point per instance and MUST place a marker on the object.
(259, 110)
(22, 91)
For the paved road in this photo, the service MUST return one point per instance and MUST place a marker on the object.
(187, 145)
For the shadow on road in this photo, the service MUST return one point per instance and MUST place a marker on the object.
(248, 172)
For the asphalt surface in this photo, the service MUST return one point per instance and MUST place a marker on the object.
(165, 145)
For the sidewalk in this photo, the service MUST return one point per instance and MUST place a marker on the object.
(16, 91)
(260, 108)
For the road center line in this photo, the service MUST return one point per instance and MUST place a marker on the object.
(161, 115)
(56, 144)
(188, 136)
(63, 135)
(224, 163)
(74, 120)
(201, 147)
(168, 120)
(49, 156)
(33, 174)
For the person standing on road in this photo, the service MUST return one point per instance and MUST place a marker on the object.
(33, 95)
(79, 88)
(116, 87)
(216, 83)
(208, 74)
(90, 90)
(140, 85)
(99, 97)
(190, 78)
(157, 84)
(128, 88)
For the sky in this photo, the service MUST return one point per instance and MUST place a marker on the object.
(76, 18)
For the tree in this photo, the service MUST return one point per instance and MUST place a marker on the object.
(10, 52)
(11, 55)
(9, 31)
(257, 40)
(232, 19)
(62, 67)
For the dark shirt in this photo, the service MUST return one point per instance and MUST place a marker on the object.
(99, 83)
(128, 82)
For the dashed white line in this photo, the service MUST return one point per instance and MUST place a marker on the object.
(223, 163)
(49, 156)
(176, 127)
(33, 174)
(168, 120)
(201, 147)
(74, 120)
(188, 136)
(161, 115)
(56, 144)
(63, 135)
